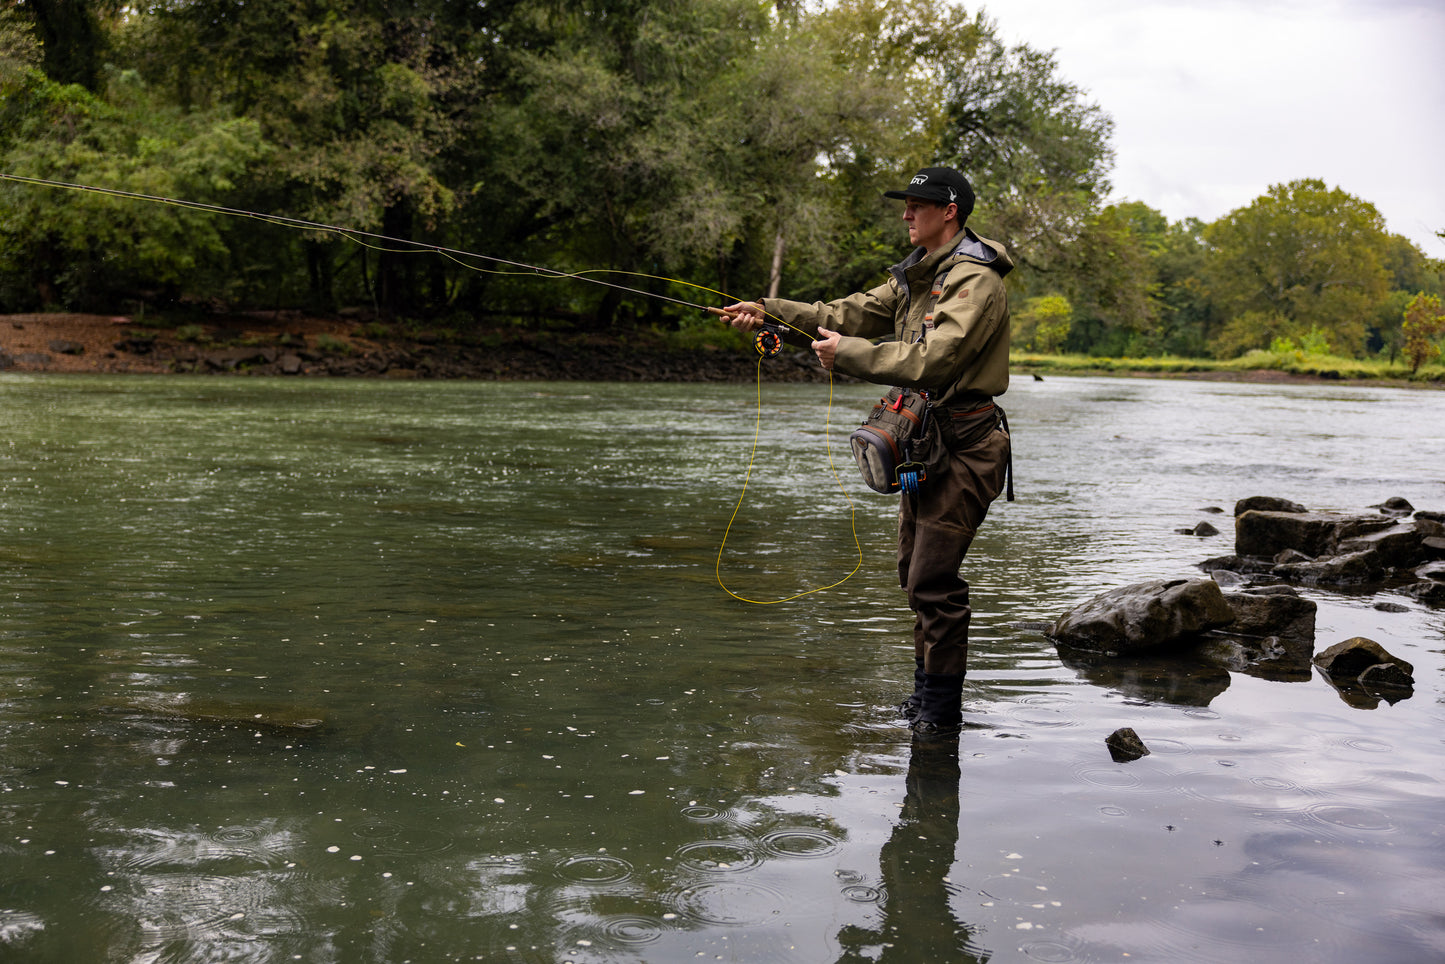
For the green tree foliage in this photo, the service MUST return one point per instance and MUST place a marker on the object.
(610, 142)
(742, 145)
(1112, 282)
(1042, 323)
(88, 249)
(362, 103)
(823, 132)
(1423, 325)
(1304, 255)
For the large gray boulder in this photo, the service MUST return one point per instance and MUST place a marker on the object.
(1262, 533)
(1144, 617)
(1396, 547)
(1351, 569)
(1272, 611)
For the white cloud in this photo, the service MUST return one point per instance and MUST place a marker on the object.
(1215, 102)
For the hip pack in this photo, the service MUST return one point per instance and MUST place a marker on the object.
(884, 444)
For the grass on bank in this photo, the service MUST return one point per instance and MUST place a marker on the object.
(1289, 362)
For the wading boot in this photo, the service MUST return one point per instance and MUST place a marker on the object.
(940, 714)
(908, 709)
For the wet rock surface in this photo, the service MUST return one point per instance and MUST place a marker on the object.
(1179, 640)
(1125, 746)
(1144, 617)
(1364, 673)
(1393, 548)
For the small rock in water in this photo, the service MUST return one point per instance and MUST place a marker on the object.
(1125, 746)
(1352, 658)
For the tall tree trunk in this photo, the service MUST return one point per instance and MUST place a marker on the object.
(72, 40)
(394, 285)
(321, 274)
(775, 273)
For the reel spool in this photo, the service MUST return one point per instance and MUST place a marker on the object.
(769, 340)
(910, 474)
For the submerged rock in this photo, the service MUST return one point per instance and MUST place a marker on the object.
(1203, 529)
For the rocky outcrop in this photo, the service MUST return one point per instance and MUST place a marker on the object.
(1189, 630)
(1259, 532)
(1179, 640)
(1285, 541)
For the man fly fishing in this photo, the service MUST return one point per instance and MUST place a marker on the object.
(943, 320)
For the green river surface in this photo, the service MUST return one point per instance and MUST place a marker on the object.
(371, 671)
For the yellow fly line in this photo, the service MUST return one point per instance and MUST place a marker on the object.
(747, 476)
(381, 242)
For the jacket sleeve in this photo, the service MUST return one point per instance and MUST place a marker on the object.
(966, 323)
(867, 314)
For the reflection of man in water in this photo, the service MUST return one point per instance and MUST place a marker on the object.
(918, 923)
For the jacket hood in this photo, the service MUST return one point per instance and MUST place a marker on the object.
(983, 251)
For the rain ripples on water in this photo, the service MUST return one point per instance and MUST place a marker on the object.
(379, 671)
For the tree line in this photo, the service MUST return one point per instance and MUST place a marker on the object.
(738, 145)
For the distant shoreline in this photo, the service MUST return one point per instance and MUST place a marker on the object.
(297, 344)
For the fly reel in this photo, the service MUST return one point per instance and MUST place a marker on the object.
(769, 339)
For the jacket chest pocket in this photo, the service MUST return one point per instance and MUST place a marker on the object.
(912, 327)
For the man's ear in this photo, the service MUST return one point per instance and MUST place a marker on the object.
(950, 215)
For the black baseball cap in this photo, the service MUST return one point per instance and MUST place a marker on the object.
(941, 184)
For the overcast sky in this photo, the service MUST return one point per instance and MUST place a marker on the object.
(1214, 102)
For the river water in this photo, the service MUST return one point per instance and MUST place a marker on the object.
(366, 671)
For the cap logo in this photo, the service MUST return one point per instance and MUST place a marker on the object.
(919, 179)
(952, 195)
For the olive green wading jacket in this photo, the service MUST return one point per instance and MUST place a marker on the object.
(963, 360)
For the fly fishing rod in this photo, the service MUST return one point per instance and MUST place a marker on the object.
(768, 339)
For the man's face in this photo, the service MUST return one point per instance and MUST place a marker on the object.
(927, 224)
